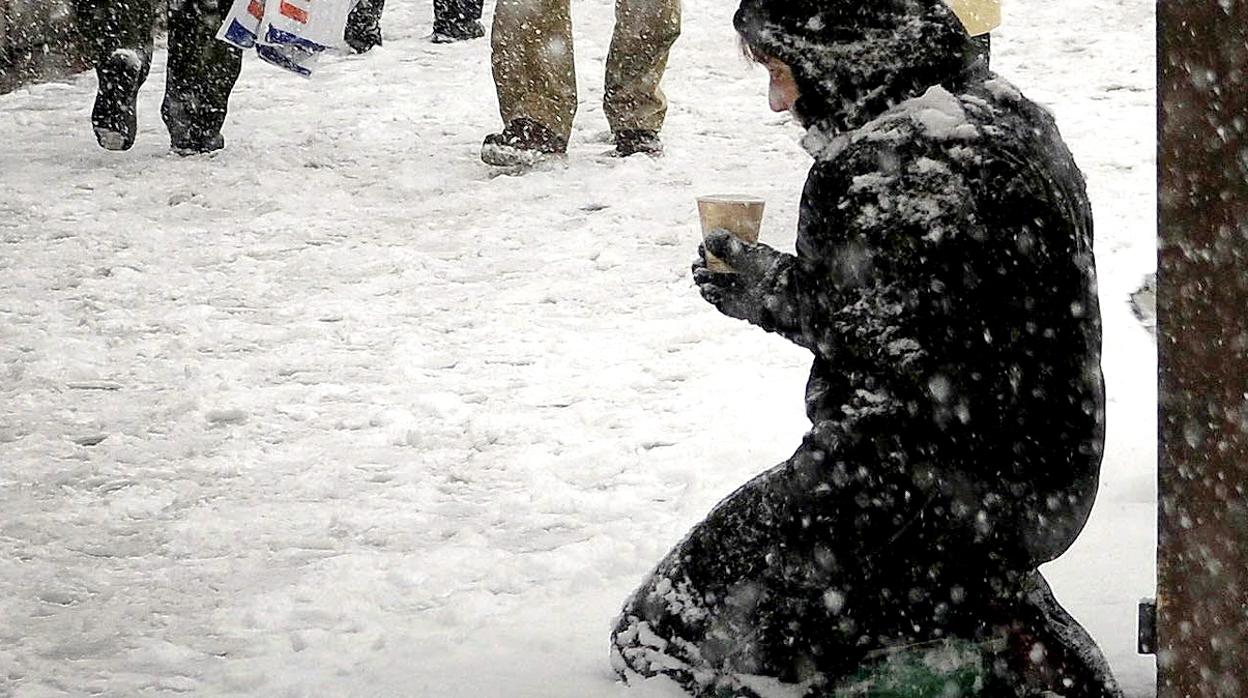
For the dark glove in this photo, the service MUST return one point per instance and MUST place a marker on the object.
(750, 293)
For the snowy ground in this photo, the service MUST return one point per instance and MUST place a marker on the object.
(335, 412)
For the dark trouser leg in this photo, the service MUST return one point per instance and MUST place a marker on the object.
(202, 72)
(119, 33)
(457, 19)
(448, 12)
(108, 25)
(364, 25)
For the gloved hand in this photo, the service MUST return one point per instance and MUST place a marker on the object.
(750, 293)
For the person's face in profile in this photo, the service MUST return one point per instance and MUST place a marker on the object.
(782, 89)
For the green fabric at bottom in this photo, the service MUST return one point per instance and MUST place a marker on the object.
(946, 669)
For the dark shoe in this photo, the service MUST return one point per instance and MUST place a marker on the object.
(362, 39)
(363, 42)
(191, 131)
(451, 32)
(113, 117)
(196, 143)
(523, 143)
(634, 142)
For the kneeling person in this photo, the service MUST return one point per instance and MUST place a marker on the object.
(945, 284)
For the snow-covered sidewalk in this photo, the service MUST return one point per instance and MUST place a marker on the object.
(338, 412)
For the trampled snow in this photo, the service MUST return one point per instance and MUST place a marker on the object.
(339, 412)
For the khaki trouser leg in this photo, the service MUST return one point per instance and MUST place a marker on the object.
(531, 52)
(643, 37)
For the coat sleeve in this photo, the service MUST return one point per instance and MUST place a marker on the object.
(878, 251)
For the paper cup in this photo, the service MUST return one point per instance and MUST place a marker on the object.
(740, 215)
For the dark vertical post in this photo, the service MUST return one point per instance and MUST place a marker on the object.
(1202, 563)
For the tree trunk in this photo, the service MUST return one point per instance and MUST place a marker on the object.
(1202, 327)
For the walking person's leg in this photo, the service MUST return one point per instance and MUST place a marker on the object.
(201, 74)
(535, 77)
(456, 20)
(119, 33)
(634, 103)
(363, 30)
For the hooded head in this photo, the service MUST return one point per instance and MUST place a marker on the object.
(854, 59)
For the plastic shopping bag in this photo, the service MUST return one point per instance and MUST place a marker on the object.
(287, 33)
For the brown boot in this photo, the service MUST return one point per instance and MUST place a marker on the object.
(638, 142)
(523, 143)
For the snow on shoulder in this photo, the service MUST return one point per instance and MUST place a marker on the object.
(937, 113)
(1002, 89)
(940, 115)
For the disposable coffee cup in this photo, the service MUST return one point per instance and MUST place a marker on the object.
(738, 214)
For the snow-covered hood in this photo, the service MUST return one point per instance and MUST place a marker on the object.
(854, 59)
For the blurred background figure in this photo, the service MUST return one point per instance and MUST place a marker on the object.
(201, 71)
(535, 75)
(453, 20)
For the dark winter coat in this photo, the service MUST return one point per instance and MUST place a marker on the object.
(945, 283)
(944, 276)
